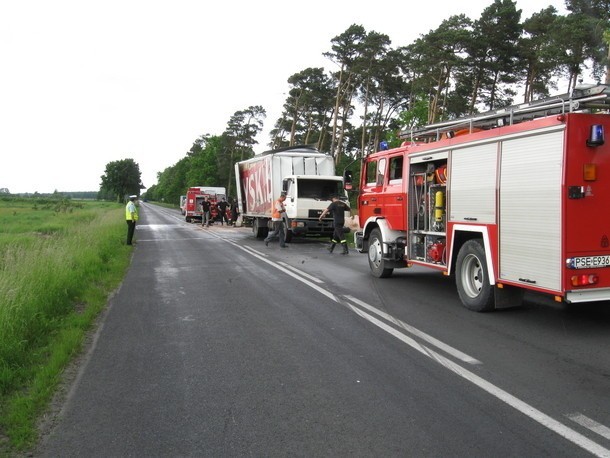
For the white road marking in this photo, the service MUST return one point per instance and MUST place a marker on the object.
(305, 274)
(416, 332)
(590, 424)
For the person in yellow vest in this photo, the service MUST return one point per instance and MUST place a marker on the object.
(277, 220)
(131, 215)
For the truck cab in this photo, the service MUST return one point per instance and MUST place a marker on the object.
(307, 197)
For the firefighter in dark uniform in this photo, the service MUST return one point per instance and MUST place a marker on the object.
(337, 208)
(222, 211)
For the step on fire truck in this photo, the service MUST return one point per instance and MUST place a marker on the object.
(507, 201)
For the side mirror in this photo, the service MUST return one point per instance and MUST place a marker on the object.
(347, 179)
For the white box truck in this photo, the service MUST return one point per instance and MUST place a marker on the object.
(308, 178)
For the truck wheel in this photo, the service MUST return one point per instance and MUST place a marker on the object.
(259, 231)
(376, 261)
(472, 277)
(256, 229)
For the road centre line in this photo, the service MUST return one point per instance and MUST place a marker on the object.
(251, 248)
(298, 276)
(529, 411)
(590, 424)
(305, 274)
(416, 332)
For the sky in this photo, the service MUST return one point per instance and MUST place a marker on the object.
(87, 82)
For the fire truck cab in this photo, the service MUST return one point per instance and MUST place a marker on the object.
(507, 201)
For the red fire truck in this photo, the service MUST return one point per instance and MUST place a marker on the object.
(194, 197)
(507, 201)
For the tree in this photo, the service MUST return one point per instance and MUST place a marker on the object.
(539, 53)
(307, 109)
(171, 183)
(202, 168)
(345, 50)
(590, 21)
(239, 139)
(437, 58)
(493, 53)
(389, 95)
(121, 179)
(372, 66)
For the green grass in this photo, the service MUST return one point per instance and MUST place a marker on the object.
(59, 260)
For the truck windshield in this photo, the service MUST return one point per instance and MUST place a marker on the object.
(319, 189)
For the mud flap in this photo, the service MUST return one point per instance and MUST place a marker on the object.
(359, 241)
(508, 297)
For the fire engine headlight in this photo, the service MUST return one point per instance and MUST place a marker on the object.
(596, 136)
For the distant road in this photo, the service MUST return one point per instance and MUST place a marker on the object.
(216, 345)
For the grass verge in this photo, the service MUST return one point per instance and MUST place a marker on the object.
(57, 269)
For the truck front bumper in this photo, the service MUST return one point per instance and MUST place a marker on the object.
(312, 227)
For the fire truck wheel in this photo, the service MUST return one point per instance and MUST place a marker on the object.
(472, 279)
(376, 261)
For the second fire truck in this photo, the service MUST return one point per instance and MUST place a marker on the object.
(512, 200)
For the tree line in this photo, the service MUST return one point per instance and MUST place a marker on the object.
(462, 67)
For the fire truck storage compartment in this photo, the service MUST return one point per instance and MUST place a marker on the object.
(531, 208)
(473, 183)
(428, 208)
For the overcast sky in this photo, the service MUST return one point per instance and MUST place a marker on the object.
(84, 82)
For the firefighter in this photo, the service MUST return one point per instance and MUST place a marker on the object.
(131, 216)
(277, 221)
(205, 212)
(222, 211)
(338, 209)
(234, 212)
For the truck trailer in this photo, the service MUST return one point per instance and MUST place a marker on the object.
(304, 174)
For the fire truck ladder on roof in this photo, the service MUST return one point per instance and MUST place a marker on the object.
(582, 98)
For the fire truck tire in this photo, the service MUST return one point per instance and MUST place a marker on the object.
(376, 261)
(472, 277)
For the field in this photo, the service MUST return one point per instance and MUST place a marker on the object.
(59, 261)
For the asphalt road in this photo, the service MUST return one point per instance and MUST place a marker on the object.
(216, 345)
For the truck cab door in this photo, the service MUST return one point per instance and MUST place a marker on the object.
(393, 197)
(369, 204)
(290, 188)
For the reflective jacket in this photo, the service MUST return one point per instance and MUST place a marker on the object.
(278, 209)
(129, 209)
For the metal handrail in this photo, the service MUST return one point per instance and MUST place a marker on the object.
(546, 107)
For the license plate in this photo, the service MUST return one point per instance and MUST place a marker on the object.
(591, 262)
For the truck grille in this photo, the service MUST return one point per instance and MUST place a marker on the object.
(315, 213)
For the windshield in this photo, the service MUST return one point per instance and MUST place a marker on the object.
(319, 189)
